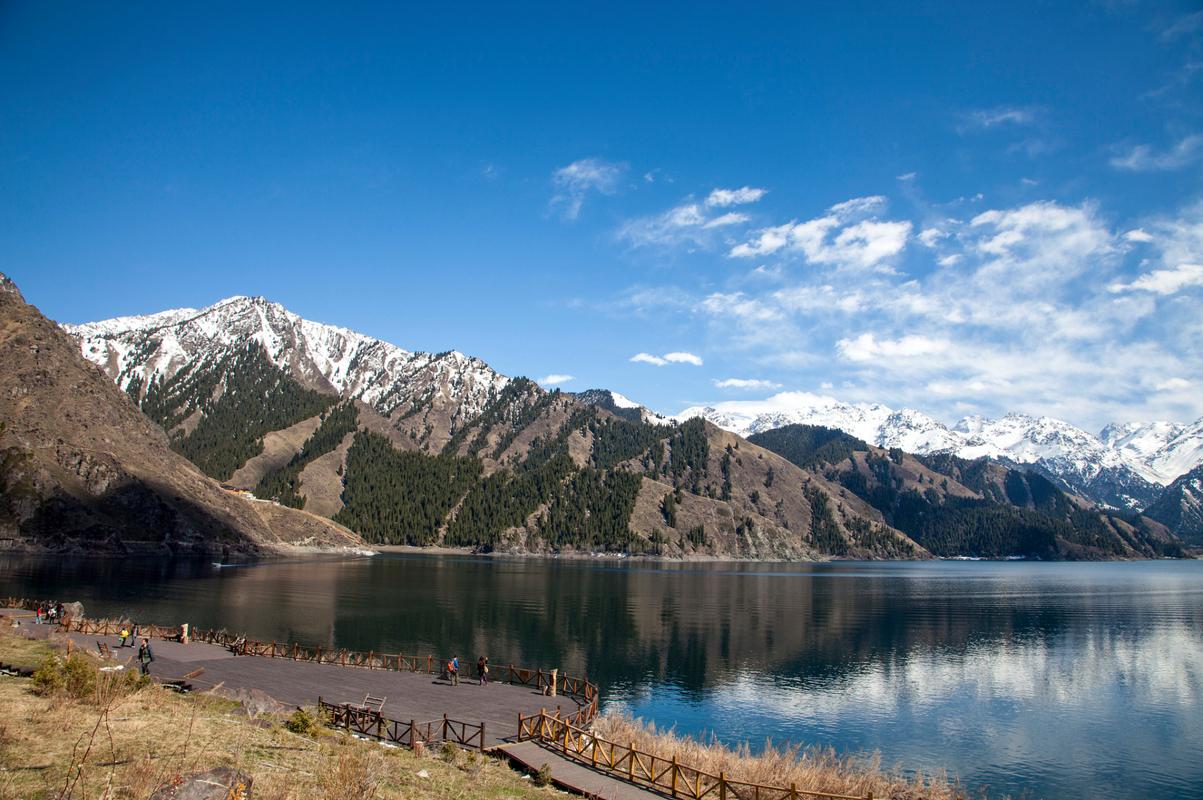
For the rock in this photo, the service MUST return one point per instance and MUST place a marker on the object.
(221, 783)
(254, 701)
(74, 610)
(423, 773)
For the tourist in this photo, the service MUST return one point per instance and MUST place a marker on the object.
(125, 637)
(482, 669)
(453, 669)
(145, 656)
(58, 612)
(38, 615)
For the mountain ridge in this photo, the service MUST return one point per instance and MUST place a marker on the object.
(1113, 472)
(500, 463)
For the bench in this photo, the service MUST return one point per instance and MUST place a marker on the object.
(371, 703)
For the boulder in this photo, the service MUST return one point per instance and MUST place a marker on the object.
(221, 783)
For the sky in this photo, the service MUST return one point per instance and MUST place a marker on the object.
(959, 208)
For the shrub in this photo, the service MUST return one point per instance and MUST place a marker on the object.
(543, 776)
(304, 723)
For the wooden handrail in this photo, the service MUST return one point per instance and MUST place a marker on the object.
(665, 775)
(371, 723)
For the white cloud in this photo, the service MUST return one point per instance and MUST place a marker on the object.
(1173, 384)
(740, 306)
(1038, 307)
(907, 176)
(867, 347)
(722, 198)
(556, 378)
(834, 238)
(667, 358)
(688, 224)
(1164, 281)
(746, 384)
(999, 115)
(730, 218)
(1143, 158)
(574, 182)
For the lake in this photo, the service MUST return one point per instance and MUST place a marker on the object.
(1030, 679)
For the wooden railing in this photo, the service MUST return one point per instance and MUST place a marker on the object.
(375, 725)
(664, 775)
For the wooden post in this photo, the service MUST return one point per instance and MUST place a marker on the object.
(722, 786)
(482, 736)
(793, 791)
(631, 764)
(594, 755)
(429, 661)
(554, 673)
(673, 770)
(413, 739)
(444, 727)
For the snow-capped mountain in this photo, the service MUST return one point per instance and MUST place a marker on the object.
(622, 406)
(1123, 467)
(1180, 507)
(136, 351)
(1161, 450)
(880, 425)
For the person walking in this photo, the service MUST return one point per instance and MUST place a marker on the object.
(125, 637)
(454, 670)
(482, 669)
(38, 617)
(145, 656)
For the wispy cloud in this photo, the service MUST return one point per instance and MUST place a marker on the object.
(666, 359)
(1032, 307)
(747, 384)
(556, 379)
(1164, 281)
(848, 235)
(998, 116)
(1183, 26)
(1144, 158)
(574, 182)
(722, 198)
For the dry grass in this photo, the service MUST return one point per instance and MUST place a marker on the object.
(813, 769)
(18, 650)
(123, 742)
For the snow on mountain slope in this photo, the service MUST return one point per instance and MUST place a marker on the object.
(1121, 469)
(874, 423)
(137, 350)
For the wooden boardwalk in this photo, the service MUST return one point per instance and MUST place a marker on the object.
(410, 696)
(571, 775)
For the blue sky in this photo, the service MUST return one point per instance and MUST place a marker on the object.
(962, 211)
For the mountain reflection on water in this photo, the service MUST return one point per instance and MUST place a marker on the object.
(1050, 680)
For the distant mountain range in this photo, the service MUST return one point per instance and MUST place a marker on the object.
(417, 448)
(1126, 466)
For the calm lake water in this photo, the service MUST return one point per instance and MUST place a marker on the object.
(1035, 680)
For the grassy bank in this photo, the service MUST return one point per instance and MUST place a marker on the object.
(813, 769)
(73, 731)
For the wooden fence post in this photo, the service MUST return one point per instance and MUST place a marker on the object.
(793, 791)
(673, 776)
(722, 786)
(482, 736)
(413, 739)
(444, 727)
